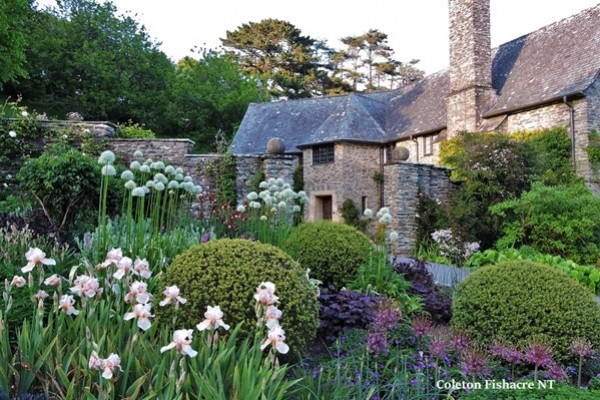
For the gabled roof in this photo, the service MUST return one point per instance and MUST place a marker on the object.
(562, 59)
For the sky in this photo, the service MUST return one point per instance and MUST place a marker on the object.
(416, 29)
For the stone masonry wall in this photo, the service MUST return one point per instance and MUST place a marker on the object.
(593, 123)
(404, 183)
(416, 149)
(350, 176)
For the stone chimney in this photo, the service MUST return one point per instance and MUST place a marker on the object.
(470, 65)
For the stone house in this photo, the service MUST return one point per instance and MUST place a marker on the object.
(382, 148)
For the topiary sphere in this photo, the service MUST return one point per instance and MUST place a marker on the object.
(519, 301)
(332, 250)
(226, 273)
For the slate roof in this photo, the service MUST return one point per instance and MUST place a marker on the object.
(561, 59)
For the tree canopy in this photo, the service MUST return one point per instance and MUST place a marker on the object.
(13, 36)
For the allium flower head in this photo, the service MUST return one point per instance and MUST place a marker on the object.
(394, 236)
(475, 364)
(145, 169)
(159, 186)
(276, 338)
(135, 165)
(538, 354)
(582, 348)
(66, 304)
(18, 281)
(241, 208)
(172, 296)
(421, 326)
(107, 157)
(12, 134)
(130, 185)
(556, 371)
(385, 219)
(509, 353)
(109, 170)
(138, 192)
(142, 313)
(368, 213)
(386, 317)
(214, 319)
(377, 342)
(35, 257)
(252, 196)
(138, 154)
(127, 175)
(182, 340)
(460, 341)
(437, 347)
(169, 169)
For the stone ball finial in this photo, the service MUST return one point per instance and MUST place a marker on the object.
(275, 145)
(400, 153)
(74, 116)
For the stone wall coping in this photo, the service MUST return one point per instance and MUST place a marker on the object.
(148, 140)
(205, 155)
(417, 165)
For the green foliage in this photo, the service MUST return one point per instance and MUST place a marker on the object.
(226, 272)
(299, 178)
(276, 52)
(255, 180)
(210, 94)
(519, 301)
(351, 215)
(378, 276)
(559, 391)
(495, 167)
(587, 275)
(82, 56)
(559, 220)
(132, 130)
(63, 182)
(13, 37)
(430, 217)
(226, 174)
(332, 251)
(593, 149)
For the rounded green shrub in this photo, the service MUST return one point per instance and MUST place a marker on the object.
(521, 301)
(226, 273)
(332, 251)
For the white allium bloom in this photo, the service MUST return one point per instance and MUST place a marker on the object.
(159, 186)
(296, 208)
(109, 170)
(161, 178)
(145, 169)
(169, 169)
(135, 165)
(263, 218)
(138, 191)
(263, 185)
(282, 204)
(138, 154)
(254, 204)
(24, 114)
(394, 236)
(150, 184)
(263, 194)
(368, 213)
(130, 185)
(385, 219)
(159, 165)
(174, 185)
(127, 175)
(382, 211)
(252, 196)
(197, 189)
(279, 181)
(241, 208)
(107, 157)
(179, 170)
(12, 134)
(148, 162)
(179, 177)
(187, 178)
